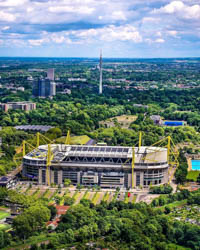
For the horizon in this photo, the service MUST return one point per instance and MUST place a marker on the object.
(76, 57)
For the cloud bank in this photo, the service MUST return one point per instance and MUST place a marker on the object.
(82, 27)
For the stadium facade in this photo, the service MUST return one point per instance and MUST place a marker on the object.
(106, 166)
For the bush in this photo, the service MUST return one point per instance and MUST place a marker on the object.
(68, 201)
(163, 189)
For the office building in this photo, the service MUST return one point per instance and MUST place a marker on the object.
(50, 74)
(26, 106)
(44, 88)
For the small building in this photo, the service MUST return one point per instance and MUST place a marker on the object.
(7, 181)
(61, 210)
(156, 119)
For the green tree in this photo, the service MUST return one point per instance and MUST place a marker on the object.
(67, 182)
(33, 219)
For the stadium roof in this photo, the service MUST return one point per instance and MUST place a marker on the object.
(42, 128)
(60, 151)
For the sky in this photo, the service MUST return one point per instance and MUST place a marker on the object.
(80, 28)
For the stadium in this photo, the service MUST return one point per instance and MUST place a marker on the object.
(105, 166)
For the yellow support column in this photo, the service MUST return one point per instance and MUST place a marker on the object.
(38, 139)
(140, 139)
(168, 149)
(48, 163)
(133, 165)
(23, 148)
(67, 140)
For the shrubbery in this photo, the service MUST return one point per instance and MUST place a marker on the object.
(163, 189)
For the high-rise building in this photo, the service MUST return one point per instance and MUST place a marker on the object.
(44, 88)
(50, 74)
(100, 79)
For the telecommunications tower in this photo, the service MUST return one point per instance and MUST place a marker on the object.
(100, 79)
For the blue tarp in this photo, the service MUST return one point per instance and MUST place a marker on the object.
(173, 123)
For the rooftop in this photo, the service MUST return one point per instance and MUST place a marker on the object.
(42, 128)
(61, 151)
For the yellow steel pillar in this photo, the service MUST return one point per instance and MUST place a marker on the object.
(140, 139)
(168, 148)
(133, 165)
(67, 140)
(38, 139)
(48, 164)
(23, 148)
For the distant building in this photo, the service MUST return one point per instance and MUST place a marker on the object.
(156, 119)
(37, 128)
(44, 88)
(66, 91)
(77, 79)
(7, 181)
(140, 106)
(50, 74)
(26, 106)
(30, 78)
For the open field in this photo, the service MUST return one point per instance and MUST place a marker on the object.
(77, 140)
(3, 226)
(123, 120)
(192, 175)
(3, 215)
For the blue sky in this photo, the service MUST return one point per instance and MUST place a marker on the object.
(79, 28)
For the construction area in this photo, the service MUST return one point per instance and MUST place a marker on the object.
(104, 166)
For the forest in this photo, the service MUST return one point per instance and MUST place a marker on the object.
(116, 225)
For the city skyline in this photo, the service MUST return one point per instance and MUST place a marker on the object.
(133, 29)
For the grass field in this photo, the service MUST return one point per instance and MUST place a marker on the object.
(192, 175)
(3, 227)
(3, 215)
(80, 140)
(123, 120)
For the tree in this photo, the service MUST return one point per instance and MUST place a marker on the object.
(53, 211)
(33, 219)
(67, 182)
(68, 201)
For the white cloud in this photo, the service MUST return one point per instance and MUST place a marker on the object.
(150, 20)
(112, 33)
(12, 3)
(158, 33)
(172, 32)
(6, 17)
(159, 40)
(181, 9)
(118, 15)
(71, 9)
(36, 42)
(6, 28)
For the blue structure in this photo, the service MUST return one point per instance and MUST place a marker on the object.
(195, 164)
(173, 123)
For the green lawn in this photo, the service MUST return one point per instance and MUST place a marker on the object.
(192, 175)
(3, 215)
(4, 227)
(175, 204)
(83, 139)
(80, 140)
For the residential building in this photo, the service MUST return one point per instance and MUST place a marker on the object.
(26, 106)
